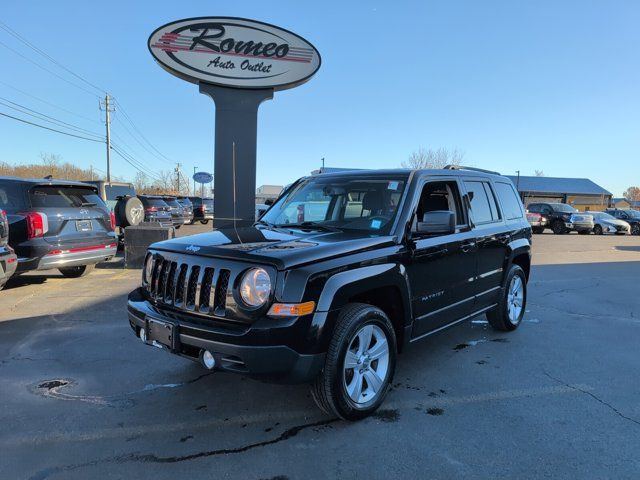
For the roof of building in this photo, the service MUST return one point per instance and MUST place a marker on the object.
(575, 186)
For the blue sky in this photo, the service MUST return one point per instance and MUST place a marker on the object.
(541, 85)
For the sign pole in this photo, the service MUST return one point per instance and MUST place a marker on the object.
(236, 122)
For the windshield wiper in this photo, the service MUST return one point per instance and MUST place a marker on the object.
(308, 225)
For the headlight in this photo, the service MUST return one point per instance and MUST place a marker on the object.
(255, 287)
(148, 269)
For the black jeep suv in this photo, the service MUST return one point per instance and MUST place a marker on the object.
(342, 273)
(57, 224)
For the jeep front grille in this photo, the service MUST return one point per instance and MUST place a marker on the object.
(188, 286)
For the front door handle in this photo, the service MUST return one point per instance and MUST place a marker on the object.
(468, 246)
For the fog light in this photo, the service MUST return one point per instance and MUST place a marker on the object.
(143, 335)
(207, 359)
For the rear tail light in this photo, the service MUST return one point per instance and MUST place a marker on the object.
(37, 224)
(112, 217)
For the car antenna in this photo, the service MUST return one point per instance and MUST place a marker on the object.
(233, 164)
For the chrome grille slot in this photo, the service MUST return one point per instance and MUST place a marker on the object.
(205, 290)
(170, 284)
(220, 301)
(157, 263)
(192, 286)
(162, 279)
(178, 298)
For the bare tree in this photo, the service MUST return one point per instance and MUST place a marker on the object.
(632, 194)
(539, 173)
(429, 158)
(141, 182)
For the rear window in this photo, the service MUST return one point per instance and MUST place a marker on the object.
(114, 191)
(511, 204)
(53, 196)
(11, 196)
(153, 202)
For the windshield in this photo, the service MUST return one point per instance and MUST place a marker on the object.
(563, 207)
(602, 216)
(367, 203)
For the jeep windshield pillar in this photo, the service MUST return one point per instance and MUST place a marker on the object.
(340, 275)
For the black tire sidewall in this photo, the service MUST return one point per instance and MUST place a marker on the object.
(557, 227)
(597, 230)
(345, 406)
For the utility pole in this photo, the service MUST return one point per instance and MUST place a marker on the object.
(178, 165)
(108, 109)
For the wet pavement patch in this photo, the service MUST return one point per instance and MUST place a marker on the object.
(51, 384)
(435, 411)
(460, 346)
(387, 415)
(201, 407)
(500, 340)
(481, 362)
(184, 439)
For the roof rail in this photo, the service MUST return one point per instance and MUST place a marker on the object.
(462, 167)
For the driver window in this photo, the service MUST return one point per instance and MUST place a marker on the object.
(438, 196)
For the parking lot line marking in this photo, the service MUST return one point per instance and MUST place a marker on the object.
(258, 418)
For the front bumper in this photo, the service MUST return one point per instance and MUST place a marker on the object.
(77, 258)
(578, 226)
(250, 351)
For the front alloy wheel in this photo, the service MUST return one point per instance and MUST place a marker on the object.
(359, 365)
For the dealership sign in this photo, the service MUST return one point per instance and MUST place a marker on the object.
(202, 177)
(234, 52)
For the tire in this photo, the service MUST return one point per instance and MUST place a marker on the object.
(204, 222)
(330, 389)
(177, 227)
(558, 228)
(76, 272)
(597, 230)
(635, 229)
(502, 317)
(129, 211)
(537, 230)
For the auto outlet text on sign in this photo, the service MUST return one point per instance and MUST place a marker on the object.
(234, 52)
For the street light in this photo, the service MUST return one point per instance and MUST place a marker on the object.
(195, 169)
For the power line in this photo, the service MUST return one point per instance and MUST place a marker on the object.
(133, 161)
(15, 34)
(47, 70)
(93, 120)
(46, 118)
(150, 152)
(51, 129)
(128, 118)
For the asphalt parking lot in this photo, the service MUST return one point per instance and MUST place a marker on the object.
(559, 398)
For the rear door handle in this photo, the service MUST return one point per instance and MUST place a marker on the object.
(468, 246)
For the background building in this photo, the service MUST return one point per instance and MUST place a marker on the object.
(581, 193)
(264, 192)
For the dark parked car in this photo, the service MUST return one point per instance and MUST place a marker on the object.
(156, 210)
(632, 217)
(374, 260)
(8, 259)
(57, 224)
(562, 218)
(202, 209)
(178, 218)
(187, 209)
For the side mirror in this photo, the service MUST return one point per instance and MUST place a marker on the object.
(439, 222)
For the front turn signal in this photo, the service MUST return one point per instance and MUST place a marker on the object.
(291, 309)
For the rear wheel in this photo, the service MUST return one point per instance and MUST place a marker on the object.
(537, 230)
(507, 315)
(76, 272)
(204, 222)
(558, 227)
(635, 230)
(360, 364)
(597, 230)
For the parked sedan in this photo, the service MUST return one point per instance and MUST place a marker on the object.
(57, 224)
(8, 259)
(632, 217)
(605, 223)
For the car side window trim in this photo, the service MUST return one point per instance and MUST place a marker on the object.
(482, 181)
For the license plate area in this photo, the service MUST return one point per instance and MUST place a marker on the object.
(161, 334)
(84, 225)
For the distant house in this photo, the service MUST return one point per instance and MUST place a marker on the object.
(621, 203)
(635, 204)
(582, 193)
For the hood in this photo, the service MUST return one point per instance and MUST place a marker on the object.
(281, 248)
